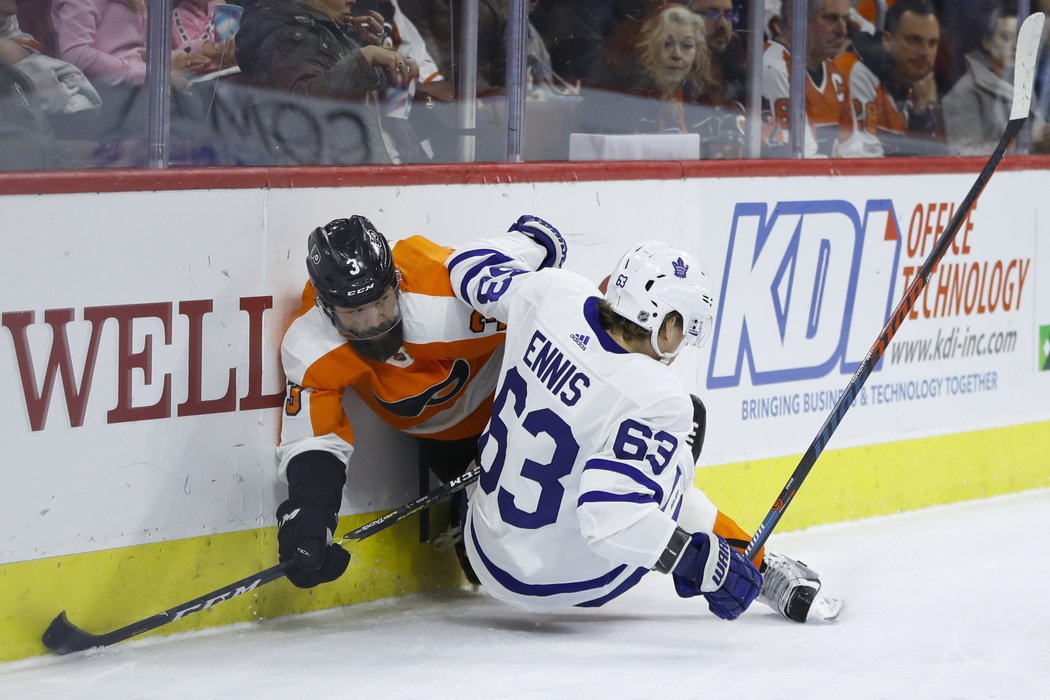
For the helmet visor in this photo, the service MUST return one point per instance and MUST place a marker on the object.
(697, 329)
(695, 305)
(367, 321)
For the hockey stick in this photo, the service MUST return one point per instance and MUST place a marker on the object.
(63, 637)
(1024, 73)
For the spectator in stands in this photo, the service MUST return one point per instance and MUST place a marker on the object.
(868, 10)
(896, 109)
(727, 52)
(658, 80)
(421, 14)
(492, 42)
(60, 87)
(26, 141)
(193, 32)
(542, 79)
(977, 107)
(771, 19)
(107, 40)
(419, 118)
(661, 61)
(383, 22)
(828, 122)
(493, 19)
(576, 32)
(303, 47)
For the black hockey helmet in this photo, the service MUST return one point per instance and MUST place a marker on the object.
(352, 270)
(349, 263)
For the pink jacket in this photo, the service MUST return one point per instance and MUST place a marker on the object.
(103, 38)
(191, 27)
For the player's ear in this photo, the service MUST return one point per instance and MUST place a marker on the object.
(671, 320)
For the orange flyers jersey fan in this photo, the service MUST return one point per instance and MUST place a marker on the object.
(828, 120)
(875, 113)
(439, 386)
(868, 10)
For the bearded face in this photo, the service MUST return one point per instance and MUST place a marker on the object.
(382, 348)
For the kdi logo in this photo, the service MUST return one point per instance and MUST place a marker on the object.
(807, 287)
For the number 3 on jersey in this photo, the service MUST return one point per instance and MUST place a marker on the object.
(541, 423)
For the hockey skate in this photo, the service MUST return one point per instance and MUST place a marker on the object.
(452, 538)
(793, 590)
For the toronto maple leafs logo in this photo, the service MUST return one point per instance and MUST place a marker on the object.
(680, 267)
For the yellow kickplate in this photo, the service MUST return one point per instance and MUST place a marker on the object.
(104, 590)
(861, 482)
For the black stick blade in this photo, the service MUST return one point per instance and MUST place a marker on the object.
(63, 637)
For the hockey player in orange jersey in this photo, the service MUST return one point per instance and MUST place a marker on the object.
(386, 324)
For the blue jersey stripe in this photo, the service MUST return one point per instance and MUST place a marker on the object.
(628, 583)
(590, 312)
(495, 258)
(677, 478)
(461, 257)
(606, 497)
(633, 473)
(678, 508)
(540, 590)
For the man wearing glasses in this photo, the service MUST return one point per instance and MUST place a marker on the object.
(727, 57)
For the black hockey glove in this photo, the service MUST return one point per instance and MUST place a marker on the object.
(307, 520)
(711, 568)
(305, 534)
(696, 435)
(546, 235)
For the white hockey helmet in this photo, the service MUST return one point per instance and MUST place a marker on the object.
(653, 279)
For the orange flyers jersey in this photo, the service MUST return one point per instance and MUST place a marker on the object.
(875, 113)
(828, 120)
(868, 10)
(439, 386)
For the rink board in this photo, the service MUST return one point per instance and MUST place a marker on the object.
(141, 473)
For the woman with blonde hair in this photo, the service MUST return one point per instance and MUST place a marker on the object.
(672, 58)
(658, 77)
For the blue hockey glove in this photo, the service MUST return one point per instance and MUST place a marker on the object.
(546, 235)
(304, 534)
(711, 568)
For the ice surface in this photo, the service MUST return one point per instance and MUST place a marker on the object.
(949, 602)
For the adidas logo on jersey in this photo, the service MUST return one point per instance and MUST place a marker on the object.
(580, 339)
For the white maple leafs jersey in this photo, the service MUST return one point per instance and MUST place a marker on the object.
(585, 460)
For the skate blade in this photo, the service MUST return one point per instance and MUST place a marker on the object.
(825, 608)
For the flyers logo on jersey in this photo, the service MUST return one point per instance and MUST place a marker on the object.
(806, 286)
(434, 396)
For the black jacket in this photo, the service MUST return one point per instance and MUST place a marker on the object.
(319, 105)
(288, 45)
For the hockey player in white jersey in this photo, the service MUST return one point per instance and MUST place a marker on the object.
(587, 468)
